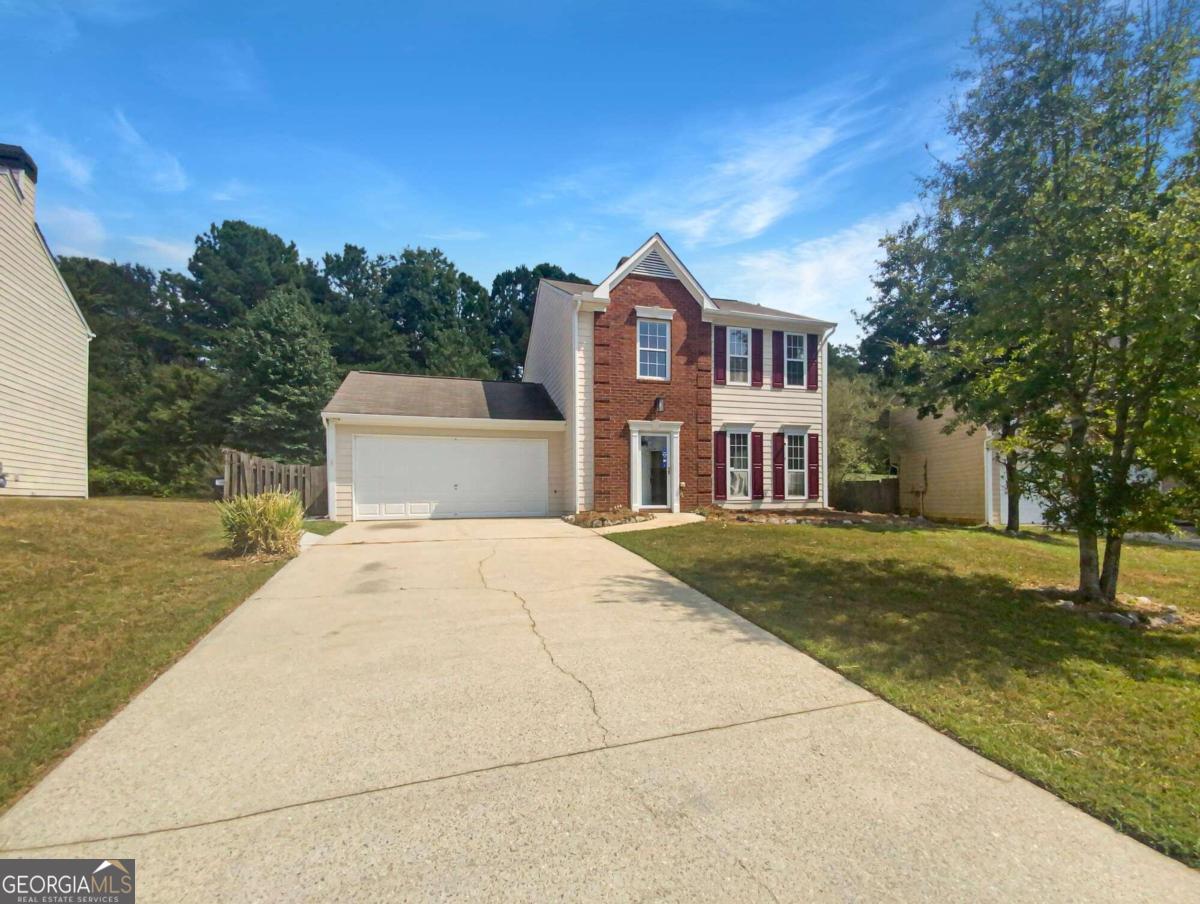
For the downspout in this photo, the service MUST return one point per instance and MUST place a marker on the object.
(825, 417)
(331, 468)
(574, 442)
(988, 477)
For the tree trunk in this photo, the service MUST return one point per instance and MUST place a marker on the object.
(1013, 482)
(1089, 566)
(1111, 572)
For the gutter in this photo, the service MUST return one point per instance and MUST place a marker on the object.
(825, 414)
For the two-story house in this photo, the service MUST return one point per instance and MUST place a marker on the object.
(641, 391)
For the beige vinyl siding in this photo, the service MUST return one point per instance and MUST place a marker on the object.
(551, 361)
(770, 410)
(942, 476)
(43, 362)
(585, 421)
(344, 460)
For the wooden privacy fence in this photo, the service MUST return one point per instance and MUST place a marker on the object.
(881, 495)
(249, 475)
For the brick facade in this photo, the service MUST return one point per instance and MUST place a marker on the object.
(621, 397)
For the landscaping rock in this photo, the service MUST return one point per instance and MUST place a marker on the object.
(1064, 604)
(1116, 618)
(1143, 601)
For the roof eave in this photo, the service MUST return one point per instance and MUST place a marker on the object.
(735, 317)
(462, 423)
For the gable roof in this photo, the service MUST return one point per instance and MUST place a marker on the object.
(655, 258)
(419, 395)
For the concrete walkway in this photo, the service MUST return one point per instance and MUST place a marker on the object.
(522, 710)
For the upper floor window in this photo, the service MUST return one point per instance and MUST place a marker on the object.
(739, 355)
(653, 348)
(794, 355)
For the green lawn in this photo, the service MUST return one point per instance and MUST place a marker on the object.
(96, 598)
(941, 622)
(323, 527)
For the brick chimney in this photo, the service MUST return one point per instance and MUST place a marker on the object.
(17, 164)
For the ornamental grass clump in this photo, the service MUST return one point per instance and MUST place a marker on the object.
(269, 524)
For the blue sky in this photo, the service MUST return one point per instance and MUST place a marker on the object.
(770, 143)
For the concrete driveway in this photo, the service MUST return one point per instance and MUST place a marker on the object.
(524, 710)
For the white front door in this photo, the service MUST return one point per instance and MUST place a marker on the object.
(449, 477)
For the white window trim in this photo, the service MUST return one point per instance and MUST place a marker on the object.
(803, 434)
(638, 327)
(803, 384)
(646, 312)
(729, 469)
(636, 429)
(729, 331)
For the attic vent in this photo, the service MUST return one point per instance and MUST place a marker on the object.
(653, 265)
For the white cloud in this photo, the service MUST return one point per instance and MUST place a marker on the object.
(728, 180)
(825, 277)
(231, 190)
(162, 253)
(161, 167)
(73, 231)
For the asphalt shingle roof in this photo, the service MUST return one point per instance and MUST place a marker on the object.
(417, 395)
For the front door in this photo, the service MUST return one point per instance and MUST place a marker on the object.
(656, 470)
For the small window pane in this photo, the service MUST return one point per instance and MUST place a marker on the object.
(739, 342)
(795, 483)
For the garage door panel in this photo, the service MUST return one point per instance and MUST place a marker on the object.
(423, 476)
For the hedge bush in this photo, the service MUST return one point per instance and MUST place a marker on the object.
(267, 524)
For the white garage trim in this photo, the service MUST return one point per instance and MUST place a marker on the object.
(444, 423)
(528, 494)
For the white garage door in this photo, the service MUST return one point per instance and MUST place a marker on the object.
(449, 477)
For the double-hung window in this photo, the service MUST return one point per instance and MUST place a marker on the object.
(739, 465)
(797, 475)
(739, 355)
(653, 348)
(795, 359)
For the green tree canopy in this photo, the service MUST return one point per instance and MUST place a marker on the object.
(1065, 230)
(280, 374)
(235, 266)
(513, 294)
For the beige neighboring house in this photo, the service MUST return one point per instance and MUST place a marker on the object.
(946, 477)
(43, 351)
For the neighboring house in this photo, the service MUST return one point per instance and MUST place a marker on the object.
(950, 476)
(641, 391)
(43, 351)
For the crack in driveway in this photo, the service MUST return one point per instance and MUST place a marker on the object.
(533, 625)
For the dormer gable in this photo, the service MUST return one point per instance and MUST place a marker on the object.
(655, 258)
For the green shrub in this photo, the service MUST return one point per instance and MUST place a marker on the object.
(267, 524)
(105, 481)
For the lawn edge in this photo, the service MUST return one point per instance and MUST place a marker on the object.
(1140, 837)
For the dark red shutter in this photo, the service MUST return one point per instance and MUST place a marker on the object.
(756, 462)
(812, 360)
(777, 363)
(719, 464)
(814, 466)
(778, 461)
(719, 356)
(756, 357)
